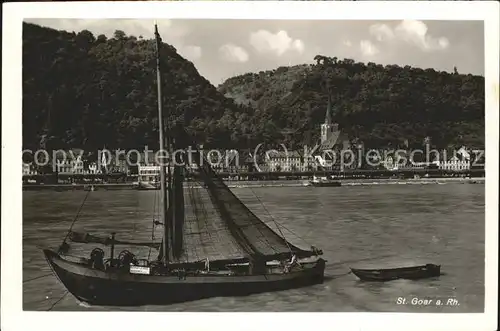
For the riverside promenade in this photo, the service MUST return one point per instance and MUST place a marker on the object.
(53, 178)
(268, 183)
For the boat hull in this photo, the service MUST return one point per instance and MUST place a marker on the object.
(413, 273)
(124, 289)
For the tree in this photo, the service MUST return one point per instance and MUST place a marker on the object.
(119, 34)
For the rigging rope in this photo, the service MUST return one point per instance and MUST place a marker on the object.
(231, 246)
(296, 235)
(277, 226)
(76, 217)
(59, 300)
(35, 278)
(322, 205)
(153, 224)
(194, 206)
(223, 197)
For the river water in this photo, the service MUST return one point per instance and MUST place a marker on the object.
(355, 226)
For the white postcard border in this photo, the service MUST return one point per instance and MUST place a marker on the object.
(13, 317)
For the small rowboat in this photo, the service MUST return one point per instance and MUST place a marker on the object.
(415, 272)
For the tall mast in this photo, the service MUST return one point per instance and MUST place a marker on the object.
(161, 128)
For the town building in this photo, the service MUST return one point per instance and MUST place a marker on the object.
(26, 169)
(70, 163)
(93, 169)
(115, 162)
(333, 152)
(455, 163)
(284, 161)
(260, 162)
(460, 161)
(249, 162)
(148, 173)
(148, 169)
(404, 160)
(120, 164)
(29, 169)
(229, 161)
(70, 167)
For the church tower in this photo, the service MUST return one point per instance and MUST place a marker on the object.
(328, 128)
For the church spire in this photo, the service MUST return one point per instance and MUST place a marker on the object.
(328, 117)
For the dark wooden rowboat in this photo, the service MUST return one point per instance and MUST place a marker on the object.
(415, 272)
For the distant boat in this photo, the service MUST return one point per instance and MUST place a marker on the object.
(324, 182)
(215, 247)
(415, 272)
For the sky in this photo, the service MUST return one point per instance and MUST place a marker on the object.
(221, 49)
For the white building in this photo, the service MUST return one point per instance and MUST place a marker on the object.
(148, 173)
(70, 166)
(455, 164)
(461, 161)
(311, 163)
(28, 169)
(415, 165)
(93, 169)
(284, 161)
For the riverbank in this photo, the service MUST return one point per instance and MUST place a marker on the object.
(361, 182)
(421, 181)
(78, 187)
(243, 184)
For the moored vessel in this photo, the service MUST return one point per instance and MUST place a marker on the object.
(414, 272)
(324, 182)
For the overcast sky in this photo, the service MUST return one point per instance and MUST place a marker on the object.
(224, 48)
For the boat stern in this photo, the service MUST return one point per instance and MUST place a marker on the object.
(319, 268)
(50, 256)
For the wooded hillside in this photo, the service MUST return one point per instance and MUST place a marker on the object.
(81, 90)
(86, 91)
(380, 105)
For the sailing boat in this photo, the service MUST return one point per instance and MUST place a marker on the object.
(223, 251)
